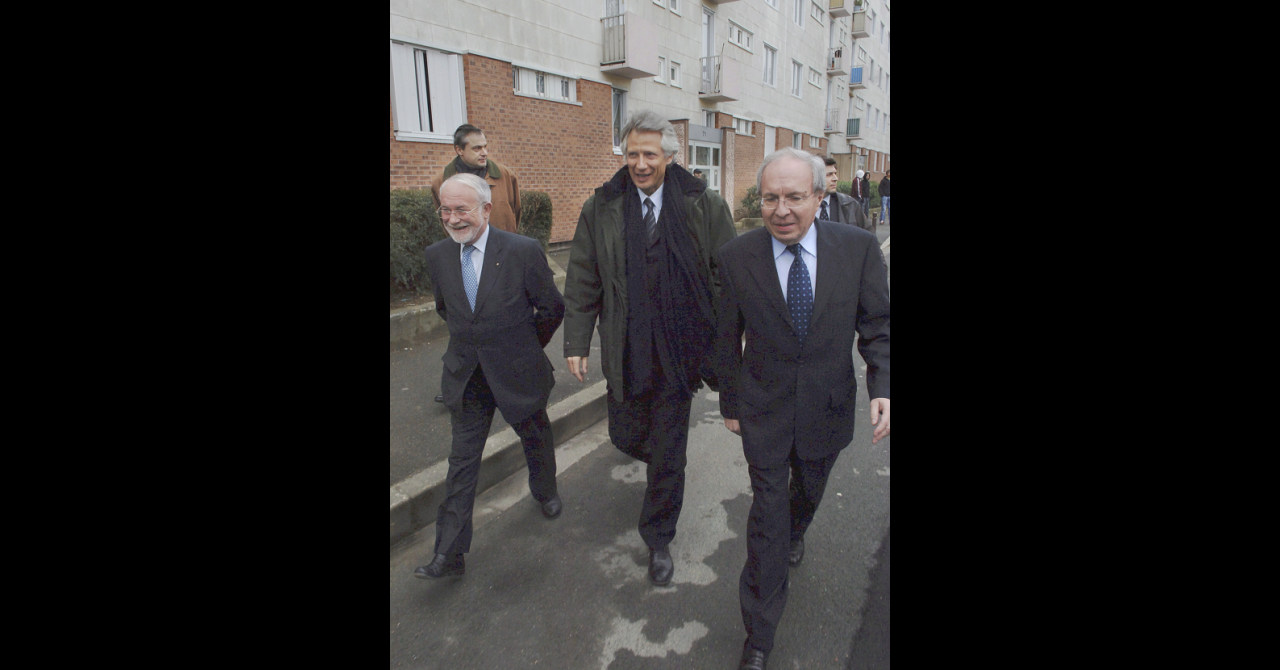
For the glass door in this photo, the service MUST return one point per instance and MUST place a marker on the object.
(706, 157)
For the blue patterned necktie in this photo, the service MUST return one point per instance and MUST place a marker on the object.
(799, 294)
(469, 275)
(824, 210)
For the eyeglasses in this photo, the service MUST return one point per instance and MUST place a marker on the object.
(793, 201)
(445, 212)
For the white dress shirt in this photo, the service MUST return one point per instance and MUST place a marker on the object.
(477, 256)
(783, 259)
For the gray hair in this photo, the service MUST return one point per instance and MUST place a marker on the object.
(480, 186)
(815, 163)
(649, 121)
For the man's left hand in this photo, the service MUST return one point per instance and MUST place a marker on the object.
(880, 418)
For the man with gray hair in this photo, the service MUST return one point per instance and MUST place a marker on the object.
(643, 264)
(799, 289)
(497, 294)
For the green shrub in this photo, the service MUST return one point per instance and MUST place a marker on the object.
(875, 194)
(844, 187)
(751, 203)
(535, 216)
(415, 225)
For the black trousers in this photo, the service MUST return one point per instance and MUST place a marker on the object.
(780, 515)
(470, 432)
(654, 428)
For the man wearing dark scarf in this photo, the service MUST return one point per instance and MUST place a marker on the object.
(643, 264)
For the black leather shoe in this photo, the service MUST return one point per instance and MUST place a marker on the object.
(443, 566)
(552, 508)
(797, 553)
(753, 659)
(661, 567)
(439, 398)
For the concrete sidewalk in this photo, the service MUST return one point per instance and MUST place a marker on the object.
(420, 428)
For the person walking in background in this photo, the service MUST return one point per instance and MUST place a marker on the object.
(838, 207)
(884, 198)
(643, 264)
(866, 192)
(497, 294)
(799, 289)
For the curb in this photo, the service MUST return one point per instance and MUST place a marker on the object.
(415, 501)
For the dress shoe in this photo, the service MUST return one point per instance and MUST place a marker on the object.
(797, 553)
(661, 567)
(551, 508)
(753, 659)
(443, 566)
(439, 398)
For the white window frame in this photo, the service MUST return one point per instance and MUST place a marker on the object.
(817, 12)
(815, 142)
(675, 7)
(815, 77)
(412, 92)
(662, 70)
(737, 34)
(862, 54)
(858, 102)
(673, 69)
(795, 140)
(770, 74)
(528, 82)
(797, 73)
(772, 3)
(886, 84)
(797, 13)
(871, 14)
(709, 118)
(619, 116)
(882, 34)
(742, 127)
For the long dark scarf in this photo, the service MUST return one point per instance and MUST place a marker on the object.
(683, 322)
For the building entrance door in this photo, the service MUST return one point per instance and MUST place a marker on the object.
(706, 156)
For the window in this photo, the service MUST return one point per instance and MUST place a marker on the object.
(862, 54)
(797, 14)
(858, 102)
(770, 65)
(740, 36)
(675, 6)
(888, 45)
(882, 33)
(871, 25)
(619, 116)
(662, 71)
(815, 77)
(535, 84)
(427, 92)
(772, 3)
(886, 83)
(795, 140)
(815, 143)
(797, 72)
(817, 12)
(742, 126)
(674, 74)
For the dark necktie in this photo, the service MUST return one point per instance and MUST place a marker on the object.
(650, 222)
(799, 294)
(824, 210)
(469, 275)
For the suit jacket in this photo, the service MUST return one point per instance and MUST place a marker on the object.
(850, 212)
(518, 309)
(784, 393)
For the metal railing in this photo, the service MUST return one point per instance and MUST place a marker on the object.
(854, 127)
(835, 58)
(615, 37)
(710, 75)
(855, 75)
(833, 120)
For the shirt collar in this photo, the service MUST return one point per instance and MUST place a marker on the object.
(656, 197)
(809, 243)
(483, 241)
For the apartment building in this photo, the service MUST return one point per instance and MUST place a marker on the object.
(551, 83)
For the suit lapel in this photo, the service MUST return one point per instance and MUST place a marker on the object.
(828, 267)
(453, 277)
(493, 256)
(764, 269)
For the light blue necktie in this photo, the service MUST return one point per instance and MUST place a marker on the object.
(469, 275)
(799, 294)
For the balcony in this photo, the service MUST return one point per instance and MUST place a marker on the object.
(833, 121)
(721, 80)
(630, 45)
(860, 27)
(853, 129)
(835, 61)
(855, 78)
(841, 7)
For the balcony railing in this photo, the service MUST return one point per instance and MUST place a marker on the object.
(835, 60)
(615, 38)
(833, 120)
(712, 77)
(860, 29)
(853, 128)
(855, 78)
(841, 7)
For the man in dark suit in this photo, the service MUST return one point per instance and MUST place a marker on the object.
(838, 207)
(798, 289)
(497, 293)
